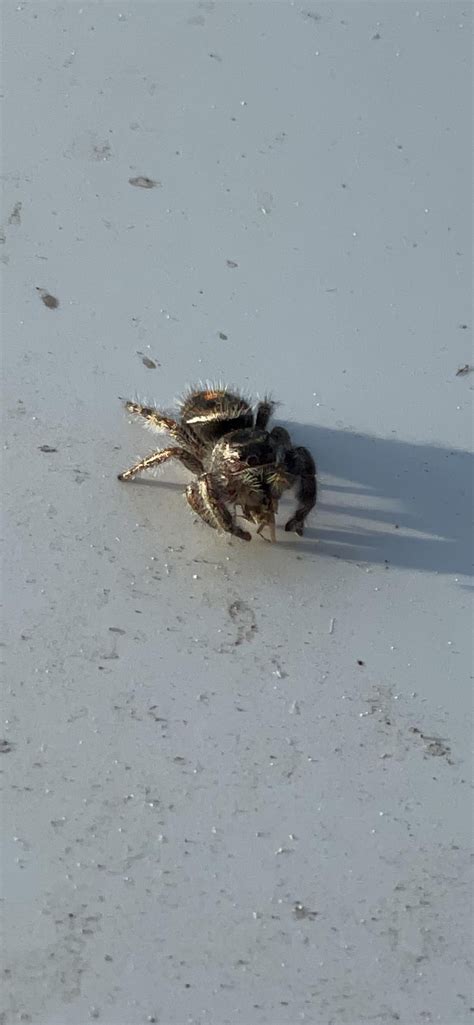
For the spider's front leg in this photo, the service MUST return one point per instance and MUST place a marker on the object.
(204, 498)
(186, 458)
(301, 464)
(154, 417)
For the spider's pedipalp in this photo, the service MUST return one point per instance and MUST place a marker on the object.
(205, 500)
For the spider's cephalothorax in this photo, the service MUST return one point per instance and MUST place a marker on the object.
(221, 439)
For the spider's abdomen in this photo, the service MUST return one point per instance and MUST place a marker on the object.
(215, 412)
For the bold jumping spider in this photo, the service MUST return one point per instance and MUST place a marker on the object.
(236, 460)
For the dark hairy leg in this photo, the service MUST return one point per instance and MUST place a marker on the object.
(302, 466)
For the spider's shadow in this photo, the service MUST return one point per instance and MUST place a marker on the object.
(383, 501)
(390, 502)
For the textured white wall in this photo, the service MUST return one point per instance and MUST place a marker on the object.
(213, 813)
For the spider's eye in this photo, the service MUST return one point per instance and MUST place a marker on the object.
(252, 461)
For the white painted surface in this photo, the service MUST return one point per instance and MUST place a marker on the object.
(195, 751)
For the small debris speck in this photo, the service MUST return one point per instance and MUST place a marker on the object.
(142, 182)
(360, 662)
(49, 300)
(47, 448)
(15, 216)
(300, 911)
(231, 263)
(466, 369)
(149, 363)
(5, 747)
(222, 336)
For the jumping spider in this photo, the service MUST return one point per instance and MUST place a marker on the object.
(236, 460)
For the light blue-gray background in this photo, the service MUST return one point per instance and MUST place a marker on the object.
(193, 750)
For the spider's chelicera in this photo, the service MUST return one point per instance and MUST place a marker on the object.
(237, 461)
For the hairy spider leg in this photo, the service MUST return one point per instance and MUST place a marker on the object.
(160, 421)
(186, 458)
(303, 467)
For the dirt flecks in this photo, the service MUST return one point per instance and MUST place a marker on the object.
(15, 216)
(435, 747)
(300, 911)
(101, 151)
(244, 619)
(311, 15)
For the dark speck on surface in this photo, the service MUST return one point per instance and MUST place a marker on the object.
(466, 369)
(15, 216)
(49, 300)
(300, 911)
(5, 747)
(223, 336)
(231, 263)
(47, 448)
(142, 182)
(149, 363)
